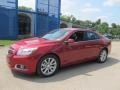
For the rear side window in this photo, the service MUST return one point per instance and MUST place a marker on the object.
(91, 36)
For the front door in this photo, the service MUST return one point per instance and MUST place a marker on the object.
(74, 52)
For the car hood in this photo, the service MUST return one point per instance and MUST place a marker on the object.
(33, 42)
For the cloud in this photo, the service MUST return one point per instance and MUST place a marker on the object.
(88, 5)
(90, 9)
(103, 18)
(66, 7)
(72, 7)
(111, 2)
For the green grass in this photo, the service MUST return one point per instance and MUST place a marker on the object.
(6, 42)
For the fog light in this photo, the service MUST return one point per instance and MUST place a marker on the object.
(21, 67)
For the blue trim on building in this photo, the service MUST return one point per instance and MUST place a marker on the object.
(8, 19)
(43, 21)
(59, 11)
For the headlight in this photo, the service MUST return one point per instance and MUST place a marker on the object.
(25, 52)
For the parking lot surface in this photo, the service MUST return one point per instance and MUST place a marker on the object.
(87, 76)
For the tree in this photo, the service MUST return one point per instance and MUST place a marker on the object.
(115, 30)
(114, 25)
(66, 18)
(87, 24)
(98, 22)
(78, 22)
(73, 19)
(25, 8)
(103, 28)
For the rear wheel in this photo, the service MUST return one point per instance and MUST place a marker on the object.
(48, 66)
(103, 56)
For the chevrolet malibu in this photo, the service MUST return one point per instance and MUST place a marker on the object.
(59, 48)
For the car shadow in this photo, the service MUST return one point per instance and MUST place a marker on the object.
(69, 72)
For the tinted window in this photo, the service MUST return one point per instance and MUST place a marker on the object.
(78, 36)
(91, 36)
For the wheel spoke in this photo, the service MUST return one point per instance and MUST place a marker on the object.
(53, 63)
(49, 60)
(46, 61)
(46, 70)
(43, 64)
(52, 68)
(43, 68)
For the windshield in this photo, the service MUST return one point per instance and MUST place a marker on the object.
(56, 34)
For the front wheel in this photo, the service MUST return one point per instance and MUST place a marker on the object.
(48, 66)
(103, 56)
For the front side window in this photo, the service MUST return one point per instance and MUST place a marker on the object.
(91, 36)
(78, 36)
(56, 34)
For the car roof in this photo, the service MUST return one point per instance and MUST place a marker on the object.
(80, 29)
(77, 29)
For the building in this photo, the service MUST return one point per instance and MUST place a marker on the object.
(15, 23)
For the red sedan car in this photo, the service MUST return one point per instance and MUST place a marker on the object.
(56, 49)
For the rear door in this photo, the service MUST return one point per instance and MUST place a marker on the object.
(92, 45)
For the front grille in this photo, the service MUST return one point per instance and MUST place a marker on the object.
(11, 51)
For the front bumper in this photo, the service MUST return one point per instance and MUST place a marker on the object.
(28, 62)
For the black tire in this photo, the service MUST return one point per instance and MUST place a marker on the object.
(99, 60)
(39, 66)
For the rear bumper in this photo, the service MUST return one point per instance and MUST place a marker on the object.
(29, 63)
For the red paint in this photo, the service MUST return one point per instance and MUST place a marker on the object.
(72, 53)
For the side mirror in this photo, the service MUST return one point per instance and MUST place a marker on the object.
(69, 41)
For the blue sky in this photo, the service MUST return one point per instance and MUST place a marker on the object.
(106, 10)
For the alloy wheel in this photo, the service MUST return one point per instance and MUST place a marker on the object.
(48, 66)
